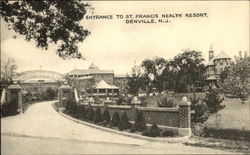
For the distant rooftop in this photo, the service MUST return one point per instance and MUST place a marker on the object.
(222, 55)
(93, 69)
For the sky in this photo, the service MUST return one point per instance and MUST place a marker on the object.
(115, 45)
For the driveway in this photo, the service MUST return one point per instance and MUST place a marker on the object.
(42, 130)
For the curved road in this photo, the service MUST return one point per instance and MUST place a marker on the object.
(41, 130)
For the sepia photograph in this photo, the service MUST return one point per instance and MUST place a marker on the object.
(125, 77)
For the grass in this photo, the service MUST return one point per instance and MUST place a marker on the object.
(229, 117)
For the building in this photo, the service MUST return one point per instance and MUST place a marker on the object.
(39, 80)
(216, 64)
(86, 78)
(121, 81)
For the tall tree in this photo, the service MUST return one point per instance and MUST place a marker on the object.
(135, 81)
(237, 82)
(153, 71)
(189, 69)
(47, 22)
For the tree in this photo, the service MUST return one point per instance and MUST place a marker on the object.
(140, 121)
(8, 71)
(213, 101)
(97, 115)
(153, 71)
(135, 81)
(124, 122)
(106, 116)
(199, 109)
(48, 22)
(188, 68)
(237, 83)
(115, 119)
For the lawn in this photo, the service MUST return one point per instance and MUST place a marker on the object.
(229, 117)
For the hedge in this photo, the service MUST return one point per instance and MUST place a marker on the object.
(234, 134)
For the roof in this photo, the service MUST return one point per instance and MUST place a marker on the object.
(103, 85)
(90, 71)
(210, 62)
(120, 76)
(212, 77)
(93, 66)
(222, 55)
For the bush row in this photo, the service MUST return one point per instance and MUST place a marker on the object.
(116, 121)
(233, 134)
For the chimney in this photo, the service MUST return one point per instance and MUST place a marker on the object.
(211, 53)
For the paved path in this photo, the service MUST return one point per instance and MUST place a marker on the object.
(41, 130)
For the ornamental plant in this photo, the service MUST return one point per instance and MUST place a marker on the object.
(90, 113)
(115, 119)
(124, 122)
(140, 121)
(97, 115)
(106, 116)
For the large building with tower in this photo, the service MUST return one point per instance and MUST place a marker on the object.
(216, 64)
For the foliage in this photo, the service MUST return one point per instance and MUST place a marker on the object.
(213, 100)
(168, 133)
(97, 115)
(135, 81)
(48, 22)
(165, 102)
(121, 100)
(237, 83)
(235, 134)
(8, 71)
(124, 123)
(9, 109)
(106, 115)
(90, 113)
(152, 71)
(199, 109)
(184, 70)
(81, 112)
(115, 119)
(154, 131)
(200, 114)
(140, 121)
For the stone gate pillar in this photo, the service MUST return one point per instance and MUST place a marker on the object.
(14, 97)
(65, 93)
(184, 118)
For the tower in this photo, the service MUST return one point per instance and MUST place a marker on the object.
(211, 53)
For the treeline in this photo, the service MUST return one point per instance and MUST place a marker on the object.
(181, 74)
(48, 94)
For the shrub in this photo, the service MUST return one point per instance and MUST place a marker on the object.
(120, 100)
(140, 122)
(124, 122)
(97, 115)
(233, 134)
(81, 112)
(90, 114)
(165, 102)
(115, 119)
(168, 133)
(213, 100)
(200, 114)
(106, 116)
(153, 132)
(97, 100)
(132, 130)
